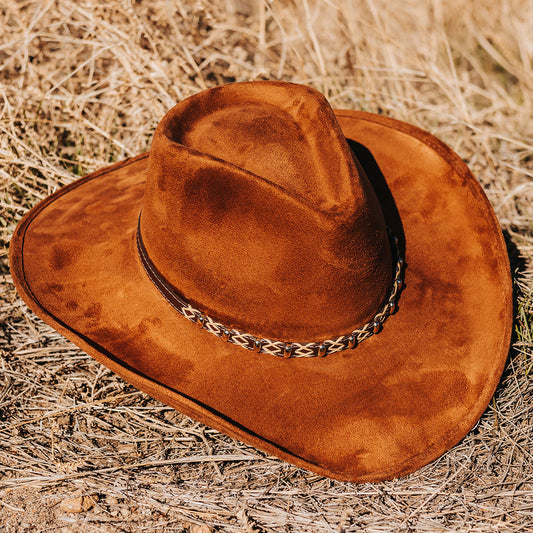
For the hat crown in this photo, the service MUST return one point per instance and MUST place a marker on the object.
(257, 212)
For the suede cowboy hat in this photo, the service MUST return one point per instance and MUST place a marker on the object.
(331, 287)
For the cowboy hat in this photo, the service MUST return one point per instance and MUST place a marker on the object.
(331, 287)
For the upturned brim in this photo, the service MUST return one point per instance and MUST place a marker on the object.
(381, 410)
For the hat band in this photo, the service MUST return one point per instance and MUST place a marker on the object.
(273, 347)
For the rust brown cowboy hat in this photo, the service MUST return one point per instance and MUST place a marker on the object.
(249, 272)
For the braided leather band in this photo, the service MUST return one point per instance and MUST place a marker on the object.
(273, 347)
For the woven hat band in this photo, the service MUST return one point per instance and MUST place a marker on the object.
(274, 347)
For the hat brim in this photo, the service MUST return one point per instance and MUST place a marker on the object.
(384, 409)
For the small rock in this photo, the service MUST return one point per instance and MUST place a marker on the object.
(204, 528)
(78, 503)
(111, 500)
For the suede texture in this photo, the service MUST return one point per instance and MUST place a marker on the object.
(249, 218)
(384, 409)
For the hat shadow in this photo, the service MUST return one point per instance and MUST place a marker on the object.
(518, 266)
(383, 193)
(516, 260)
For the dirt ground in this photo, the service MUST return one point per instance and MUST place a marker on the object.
(83, 84)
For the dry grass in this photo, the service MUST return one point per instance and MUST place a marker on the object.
(83, 84)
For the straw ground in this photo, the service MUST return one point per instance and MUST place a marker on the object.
(83, 84)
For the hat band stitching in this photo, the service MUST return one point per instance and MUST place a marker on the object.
(264, 345)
